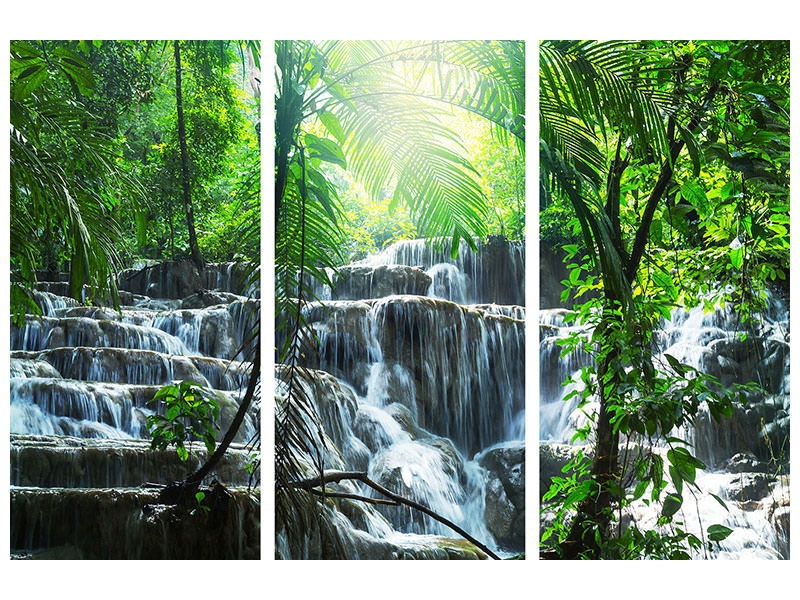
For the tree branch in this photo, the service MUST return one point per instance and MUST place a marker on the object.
(330, 494)
(664, 177)
(336, 476)
(255, 373)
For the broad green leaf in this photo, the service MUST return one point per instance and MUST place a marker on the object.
(325, 149)
(183, 454)
(696, 195)
(168, 390)
(677, 480)
(693, 149)
(717, 533)
(672, 504)
(737, 254)
(332, 124)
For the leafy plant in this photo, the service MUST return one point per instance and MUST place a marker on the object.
(373, 109)
(701, 128)
(190, 412)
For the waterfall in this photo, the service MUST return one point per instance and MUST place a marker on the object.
(742, 452)
(420, 383)
(82, 378)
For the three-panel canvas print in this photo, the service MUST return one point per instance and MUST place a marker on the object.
(402, 401)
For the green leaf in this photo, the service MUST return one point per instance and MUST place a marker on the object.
(325, 149)
(717, 533)
(183, 454)
(696, 195)
(641, 488)
(676, 479)
(719, 70)
(168, 390)
(173, 412)
(737, 255)
(28, 81)
(691, 146)
(721, 501)
(675, 364)
(141, 228)
(333, 125)
(672, 504)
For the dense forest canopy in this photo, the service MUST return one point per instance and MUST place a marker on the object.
(97, 178)
(665, 179)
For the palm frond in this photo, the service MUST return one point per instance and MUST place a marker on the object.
(592, 82)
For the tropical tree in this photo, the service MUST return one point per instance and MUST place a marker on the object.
(377, 104)
(187, 194)
(66, 184)
(699, 133)
(78, 184)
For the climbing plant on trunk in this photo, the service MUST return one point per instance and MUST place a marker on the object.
(615, 120)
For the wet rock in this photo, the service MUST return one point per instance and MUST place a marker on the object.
(181, 279)
(24, 367)
(55, 461)
(746, 462)
(126, 524)
(345, 339)
(778, 514)
(426, 471)
(750, 486)
(514, 312)
(495, 273)
(405, 418)
(333, 536)
(376, 429)
(206, 298)
(505, 494)
(359, 282)
(467, 366)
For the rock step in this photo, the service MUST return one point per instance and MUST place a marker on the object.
(495, 273)
(174, 279)
(69, 462)
(93, 523)
(460, 369)
(110, 410)
(212, 331)
(140, 367)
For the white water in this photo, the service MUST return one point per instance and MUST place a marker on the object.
(711, 342)
(427, 386)
(88, 371)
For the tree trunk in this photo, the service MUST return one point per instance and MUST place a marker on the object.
(255, 374)
(187, 198)
(594, 513)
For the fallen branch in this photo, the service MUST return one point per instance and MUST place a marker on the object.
(336, 476)
(330, 494)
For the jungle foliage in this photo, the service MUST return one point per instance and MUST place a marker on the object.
(378, 111)
(665, 176)
(95, 157)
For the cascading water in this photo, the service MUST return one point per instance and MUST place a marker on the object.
(82, 378)
(423, 389)
(747, 454)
